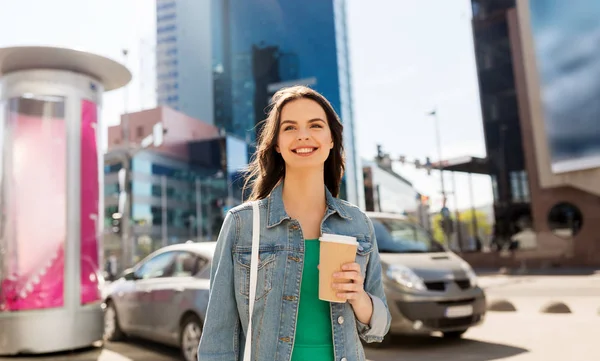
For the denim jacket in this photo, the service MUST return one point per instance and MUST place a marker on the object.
(281, 256)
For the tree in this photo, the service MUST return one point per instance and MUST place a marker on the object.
(483, 226)
(436, 229)
(466, 218)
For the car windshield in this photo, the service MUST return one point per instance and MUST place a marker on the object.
(400, 236)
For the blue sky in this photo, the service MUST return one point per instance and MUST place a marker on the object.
(408, 56)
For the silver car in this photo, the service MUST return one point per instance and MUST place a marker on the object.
(428, 287)
(163, 298)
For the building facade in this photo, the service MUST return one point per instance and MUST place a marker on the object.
(541, 132)
(184, 57)
(501, 122)
(179, 190)
(257, 48)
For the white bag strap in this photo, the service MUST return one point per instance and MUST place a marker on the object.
(253, 276)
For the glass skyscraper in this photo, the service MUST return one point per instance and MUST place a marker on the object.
(259, 47)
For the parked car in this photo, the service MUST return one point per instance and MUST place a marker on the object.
(163, 298)
(428, 287)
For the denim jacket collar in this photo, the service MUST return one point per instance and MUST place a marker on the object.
(276, 209)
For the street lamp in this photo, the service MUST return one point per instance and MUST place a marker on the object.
(439, 151)
(124, 155)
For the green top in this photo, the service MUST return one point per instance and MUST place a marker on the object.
(314, 335)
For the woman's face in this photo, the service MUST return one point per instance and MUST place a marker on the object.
(304, 138)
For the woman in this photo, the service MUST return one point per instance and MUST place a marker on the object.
(295, 177)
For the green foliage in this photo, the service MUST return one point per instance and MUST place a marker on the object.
(483, 226)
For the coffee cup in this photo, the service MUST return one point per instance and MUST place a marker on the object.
(335, 251)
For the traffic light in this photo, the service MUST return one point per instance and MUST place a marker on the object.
(447, 225)
(116, 223)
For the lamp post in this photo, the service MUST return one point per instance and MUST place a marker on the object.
(126, 246)
(124, 155)
(439, 151)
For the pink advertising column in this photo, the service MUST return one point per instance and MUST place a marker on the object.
(51, 197)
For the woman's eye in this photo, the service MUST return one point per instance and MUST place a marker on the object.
(289, 127)
(316, 126)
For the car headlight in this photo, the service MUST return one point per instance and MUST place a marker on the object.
(470, 273)
(405, 277)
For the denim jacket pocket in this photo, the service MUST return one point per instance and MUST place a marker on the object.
(266, 267)
(365, 247)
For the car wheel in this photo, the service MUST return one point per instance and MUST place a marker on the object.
(112, 330)
(191, 331)
(454, 334)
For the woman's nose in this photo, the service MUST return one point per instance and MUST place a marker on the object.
(303, 134)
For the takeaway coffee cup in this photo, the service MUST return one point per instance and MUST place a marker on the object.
(335, 251)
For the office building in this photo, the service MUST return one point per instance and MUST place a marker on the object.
(539, 92)
(255, 49)
(179, 190)
(184, 57)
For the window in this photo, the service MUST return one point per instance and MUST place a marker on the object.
(165, 6)
(112, 168)
(167, 39)
(187, 264)
(495, 188)
(165, 17)
(140, 131)
(565, 220)
(164, 29)
(519, 185)
(399, 236)
(494, 113)
(156, 267)
(203, 271)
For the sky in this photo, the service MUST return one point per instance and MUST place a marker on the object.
(407, 58)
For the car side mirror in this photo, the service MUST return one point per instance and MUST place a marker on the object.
(129, 275)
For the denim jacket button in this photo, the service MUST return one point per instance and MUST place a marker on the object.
(344, 359)
(340, 320)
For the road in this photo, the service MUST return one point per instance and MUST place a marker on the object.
(524, 335)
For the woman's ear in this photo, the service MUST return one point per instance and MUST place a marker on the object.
(277, 149)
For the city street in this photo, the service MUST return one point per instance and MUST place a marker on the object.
(526, 334)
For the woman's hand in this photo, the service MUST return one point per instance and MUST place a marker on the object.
(353, 291)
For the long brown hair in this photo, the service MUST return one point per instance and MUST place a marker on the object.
(267, 167)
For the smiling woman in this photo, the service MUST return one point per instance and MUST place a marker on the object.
(297, 112)
(295, 179)
(307, 138)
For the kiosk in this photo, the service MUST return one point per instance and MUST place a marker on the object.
(51, 197)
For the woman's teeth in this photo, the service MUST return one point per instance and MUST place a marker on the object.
(304, 150)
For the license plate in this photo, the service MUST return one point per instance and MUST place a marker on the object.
(459, 311)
